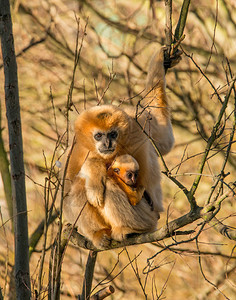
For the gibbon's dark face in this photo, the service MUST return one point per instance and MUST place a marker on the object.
(129, 176)
(106, 142)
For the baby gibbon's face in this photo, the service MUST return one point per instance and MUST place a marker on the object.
(106, 142)
(128, 176)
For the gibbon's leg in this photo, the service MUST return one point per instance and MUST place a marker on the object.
(85, 217)
(89, 222)
(119, 233)
(102, 238)
(156, 103)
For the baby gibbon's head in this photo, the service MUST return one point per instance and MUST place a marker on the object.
(126, 168)
(103, 130)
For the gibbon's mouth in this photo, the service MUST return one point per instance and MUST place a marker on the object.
(108, 151)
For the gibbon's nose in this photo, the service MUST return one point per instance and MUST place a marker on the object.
(108, 143)
(133, 178)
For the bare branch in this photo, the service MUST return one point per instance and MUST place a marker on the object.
(182, 20)
(168, 28)
(103, 293)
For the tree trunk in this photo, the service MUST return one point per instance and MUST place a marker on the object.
(22, 276)
(5, 173)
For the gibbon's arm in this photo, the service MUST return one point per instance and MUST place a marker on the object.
(94, 172)
(156, 104)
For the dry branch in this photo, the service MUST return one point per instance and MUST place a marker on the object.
(220, 279)
(37, 234)
(182, 20)
(226, 231)
(168, 28)
(118, 25)
(103, 293)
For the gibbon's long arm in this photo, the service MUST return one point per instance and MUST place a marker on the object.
(156, 104)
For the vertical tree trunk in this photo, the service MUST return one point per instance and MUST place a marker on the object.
(22, 276)
(88, 276)
(5, 173)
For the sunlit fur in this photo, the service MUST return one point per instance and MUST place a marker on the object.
(105, 197)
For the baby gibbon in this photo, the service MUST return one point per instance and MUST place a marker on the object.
(104, 132)
(124, 170)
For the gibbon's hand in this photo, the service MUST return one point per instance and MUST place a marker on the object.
(172, 55)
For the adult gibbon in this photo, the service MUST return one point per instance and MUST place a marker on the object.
(104, 132)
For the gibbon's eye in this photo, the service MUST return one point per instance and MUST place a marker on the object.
(113, 134)
(98, 136)
(129, 175)
(116, 170)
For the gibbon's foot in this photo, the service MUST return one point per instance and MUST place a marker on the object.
(117, 234)
(102, 239)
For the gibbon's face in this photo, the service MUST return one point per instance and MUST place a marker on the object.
(103, 130)
(128, 176)
(106, 142)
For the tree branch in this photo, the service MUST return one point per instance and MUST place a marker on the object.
(37, 234)
(168, 28)
(225, 230)
(88, 276)
(182, 20)
(103, 293)
(207, 214)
